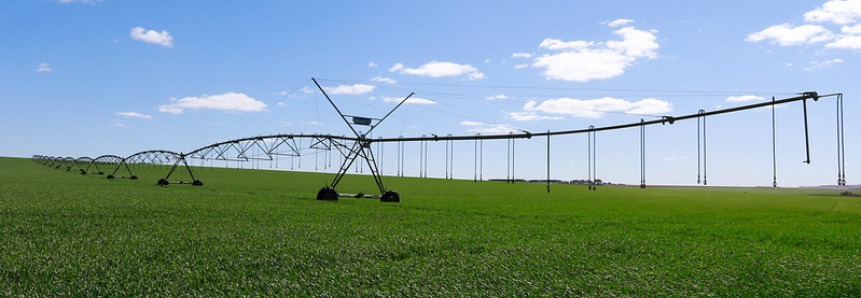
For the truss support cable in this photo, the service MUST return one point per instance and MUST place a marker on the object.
(774, 144)
(642, 155)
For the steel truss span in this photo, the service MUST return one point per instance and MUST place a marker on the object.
(352, 148)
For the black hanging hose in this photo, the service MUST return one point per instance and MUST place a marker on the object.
(642, 155)
(701, 151)
(841, 147)
(774, 143)
(589, 158)
(548, 162)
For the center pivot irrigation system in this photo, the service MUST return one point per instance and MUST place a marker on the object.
(351, 148)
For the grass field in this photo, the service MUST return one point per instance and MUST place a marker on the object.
(261, 233)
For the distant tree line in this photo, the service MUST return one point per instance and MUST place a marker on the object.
(552, 181)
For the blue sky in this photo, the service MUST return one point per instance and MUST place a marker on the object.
(87, 78)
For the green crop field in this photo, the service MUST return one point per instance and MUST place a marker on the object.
(255, 233)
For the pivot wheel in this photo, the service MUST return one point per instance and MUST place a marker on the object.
(391, 196)
(163, 182)
(327, 194)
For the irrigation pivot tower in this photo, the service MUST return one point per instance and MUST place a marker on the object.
(360, 148)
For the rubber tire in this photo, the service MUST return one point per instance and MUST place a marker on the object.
(110, 177)
(197, 183)
(391, 196)
(327, 194)
(163, 182)
(133, 177)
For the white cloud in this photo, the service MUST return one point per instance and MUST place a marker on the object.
(282, 104)
(497, 97)
(582, 61)
(372, 64)
(117, 123)
(162, 38)
(595, 108)
(170, 109)
(235, 102)
(350, 89)
(134, 115)
(744, 98)
(619, 22)
(437, 69)
(521, 55)
(531, 116)
(383, 80)
(786, 35)
(846, 41)
(471, 123)
(822, 64)
(481, 127)
(412, 100)
(519, 66)
(308, 90)
(839, 12)
(43, 67)
(556, 44)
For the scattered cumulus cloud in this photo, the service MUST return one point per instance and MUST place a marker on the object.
(162, 38)
(308, 90)
(43, 67)
(134, 115)
(232, 102)
(531, 116)
(413, 100)
(481, 127)
(436, 69)
(844, 13)
(786, 35)
(595, 108)
(822, 64)
(350, 89)
(521, 55)
(496, 97)
(619, 22)
(744, 98)
(839, 12)
(519, 66)
(850, 39)
(372, 64)
(117, 123)
(583, 61)
(383, 80)
(471, 123)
